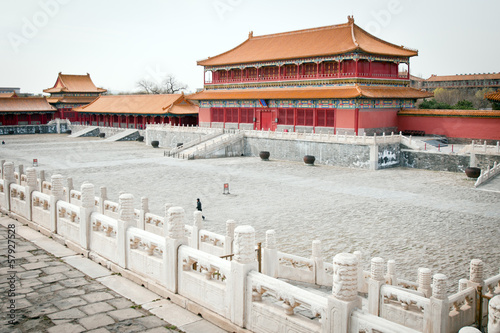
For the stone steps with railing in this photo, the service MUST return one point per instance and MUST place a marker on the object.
(178, 151)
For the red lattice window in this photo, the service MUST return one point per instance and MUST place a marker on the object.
(330, 116)
(320, 118)
(309, 117)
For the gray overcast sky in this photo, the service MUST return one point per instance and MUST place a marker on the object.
(122, 41)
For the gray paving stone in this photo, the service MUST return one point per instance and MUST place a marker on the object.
(72, 283)
(87, 266)
(97, 297)
(22, 303)
(73, 274)
(120, 303)
(50, 289)
(53, 278)
(29, 274)
(94, 308)
(99, 330)
(34, 265)
(96, 321)
(38, 311)
(69, 303)
(30, 283)
(66, 328)
(93, 287)
(20, 255)
(151, 321)
(69, 292)
(67, 314)
(158, 330)
(201, 326)
(55, 269)
(125, 314)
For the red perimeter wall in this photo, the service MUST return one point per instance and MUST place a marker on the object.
(453, 127)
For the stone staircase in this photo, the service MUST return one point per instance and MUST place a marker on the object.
(126, 135)
(88, 131)
(207, 148)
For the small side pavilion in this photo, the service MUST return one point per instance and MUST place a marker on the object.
(25, 111)
(135, 111)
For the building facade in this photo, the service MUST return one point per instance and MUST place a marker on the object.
(135, 111)
(72, 91)
(25, 111)
(461, 81)
(329, 79)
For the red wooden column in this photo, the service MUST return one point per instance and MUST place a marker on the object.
(370, 74)
(298, 67)
(29, 118)
(356, 120)
(408, 76)
(340, 66)
(135, 121)
(317, 70)
(279, 72)
(294, 118)
(258, 76)
(356, 71)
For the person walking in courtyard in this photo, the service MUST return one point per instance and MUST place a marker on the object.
(198, 206)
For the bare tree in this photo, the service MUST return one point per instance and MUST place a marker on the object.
(170, 85)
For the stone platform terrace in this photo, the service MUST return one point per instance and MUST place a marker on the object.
(58, 291)
(418, 218)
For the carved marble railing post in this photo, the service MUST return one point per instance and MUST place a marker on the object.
(31, 186)
(20, 173)
(270, 255)
(376, 281)
(476, 279)
(197, 226)
(494, 315)
(362, 286)
(142, 214)
(86, 210)
(8, 178)
(391, 273)
(424, 281)
(103, 195)
(57, 194)
(2, 162)
(69, 188)
(174, 233)
(228, 244)
(125, 220)
(439, 316)
(242, 263)
(462, 284)
(41, 174)
(319, 265)
(344, 298)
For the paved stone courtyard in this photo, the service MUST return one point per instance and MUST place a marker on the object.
(52, 295)
(419, 218)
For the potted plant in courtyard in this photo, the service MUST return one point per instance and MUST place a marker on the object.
(264, 155)
(309, 159)
(102, 135)
(473, 172)
(140, 138)
(155, 144)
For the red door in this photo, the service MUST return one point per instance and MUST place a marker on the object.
(266, 119)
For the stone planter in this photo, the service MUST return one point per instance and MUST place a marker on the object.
(264, 155)
(473, 172)
(140, 138)
(155, 144)
(102, 135)
(309, 159)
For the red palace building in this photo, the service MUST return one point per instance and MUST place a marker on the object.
(71, 91)
(333, 79)
(25, 111)
(135, 111)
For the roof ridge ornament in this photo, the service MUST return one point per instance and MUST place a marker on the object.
(350, 19)
(250, 35)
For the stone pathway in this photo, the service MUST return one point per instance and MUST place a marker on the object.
(52, 293)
